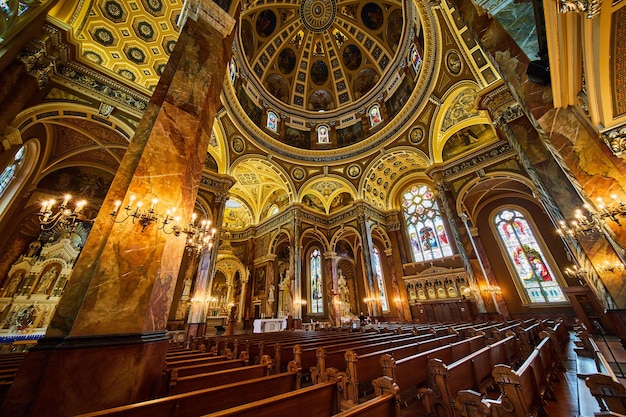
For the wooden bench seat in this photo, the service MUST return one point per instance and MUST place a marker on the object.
(213, 379)
(209, 400)
(318, 400)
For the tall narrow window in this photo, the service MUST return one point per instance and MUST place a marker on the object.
(380, 280)
(316, 282)
(9, 172)
(537, 280)
(374, 114)
(272, 121)
(322, 134)
(427, 233)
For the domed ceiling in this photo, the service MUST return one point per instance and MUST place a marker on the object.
(320, 54)
(302, 66)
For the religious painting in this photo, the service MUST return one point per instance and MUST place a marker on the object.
(349, 135)
(313, 202)
(88, 183)
(352, 57)
(340, 201)
(467, 140)
(247, 39)
(298, 138)
(365, 80)
(398, 99)
(526, 255)
(250, 108)
(272, 121)
(259, 280)
(266, 23)
(321, 100)
(319, 72)
(394, 28)
(372, 16)
(277, 86)
(322, 134)
(287, 60)
(279, 200)
(236, 217)
(232, 70)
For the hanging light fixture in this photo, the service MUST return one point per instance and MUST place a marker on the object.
(51, 215)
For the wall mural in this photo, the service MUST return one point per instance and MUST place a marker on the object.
(349, 135)
(83, 182)
(252, 110)
(340, 201)
(298, 138)
(398, 99)
(279, 198)
(467, 139)
(313, 202)
(236, 217)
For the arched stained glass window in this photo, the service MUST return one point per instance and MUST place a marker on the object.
(9, 172)
(322, 134)
(529, 262)
(427, 233)
(272, 121)
(374, 114)
(315, 270)
(380, 280)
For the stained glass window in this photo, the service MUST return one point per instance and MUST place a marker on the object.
(379, 279)
(530, 264)
(272, 121)
(416, 58)
(9, 172)
(375, 115)
(425, 227)
(317, 297)
(322, 134)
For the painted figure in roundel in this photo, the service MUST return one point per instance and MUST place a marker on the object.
(266, 23)
(287, 60)
(372, 16)
(352, 57)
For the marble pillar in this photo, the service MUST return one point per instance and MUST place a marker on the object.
(371, 286)
(106, 343)
(296, 266)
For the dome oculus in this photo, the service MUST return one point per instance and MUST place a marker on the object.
(318, 15)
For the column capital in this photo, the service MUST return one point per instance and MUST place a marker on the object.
(11, 137)
(501, 105)
(208, 11)
(616, 140)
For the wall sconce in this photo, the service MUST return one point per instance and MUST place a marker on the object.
(584, 224)
(493, 289)
(616, 266)
(199, 236)
(64, 215)
(578, 273)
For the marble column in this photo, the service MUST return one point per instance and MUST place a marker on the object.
(396, 294)
(556, 189)
(331, 290)
(106, 343)
(196, 320)
(296, 266)
(371, 286)
(442, 194)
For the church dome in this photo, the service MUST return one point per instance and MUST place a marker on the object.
(326, 63)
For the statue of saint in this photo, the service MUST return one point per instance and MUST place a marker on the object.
(46, 279)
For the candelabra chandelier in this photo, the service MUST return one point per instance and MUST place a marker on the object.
(199, 236)
(63, 215)
(585, 224)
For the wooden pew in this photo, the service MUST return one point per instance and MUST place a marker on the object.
(522, 390)
(181, 371)
(196, 403)
(196, 360)
(411, 373)
(318, 400)
(213, 379)
(361, 370)
(473, 371)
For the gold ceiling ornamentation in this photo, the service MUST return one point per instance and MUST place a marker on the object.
(318, 15)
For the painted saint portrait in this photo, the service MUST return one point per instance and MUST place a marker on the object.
(266, 23)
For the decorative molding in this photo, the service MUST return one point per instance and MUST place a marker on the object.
(43, 56)
(616, 140)
(501, 105)
(590, 7)
(11, 136)
(468, 165)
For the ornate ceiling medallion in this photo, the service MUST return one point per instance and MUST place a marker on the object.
(318, 15)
